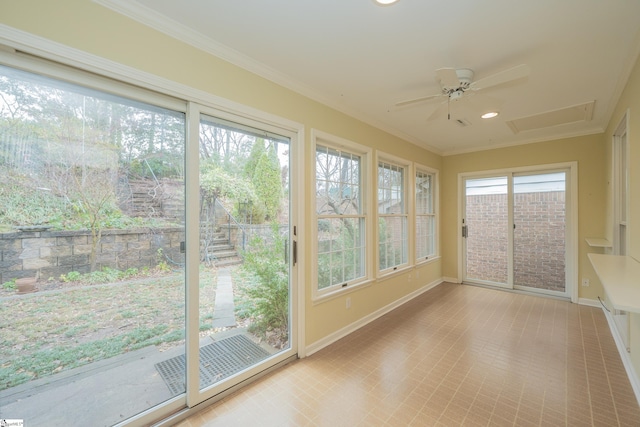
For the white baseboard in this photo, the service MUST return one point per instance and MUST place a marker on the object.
(624, 354)
(589, 302)
(451, 280)
(341, 333)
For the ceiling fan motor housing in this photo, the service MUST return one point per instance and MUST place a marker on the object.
(456, 94)
(465, 77)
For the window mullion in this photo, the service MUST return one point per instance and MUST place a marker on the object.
(340, 218)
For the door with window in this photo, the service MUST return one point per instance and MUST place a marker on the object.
(246, 245)
(515, 230)
(486, 231)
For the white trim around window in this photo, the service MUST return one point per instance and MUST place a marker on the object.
(392, 214)
(426, 211)
(342, 224)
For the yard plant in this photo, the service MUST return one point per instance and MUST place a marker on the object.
(263, 291)
(50, 332)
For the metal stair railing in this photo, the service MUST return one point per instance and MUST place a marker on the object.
(230, 220)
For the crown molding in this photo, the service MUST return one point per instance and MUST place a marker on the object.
(39, 47)
(151, 18)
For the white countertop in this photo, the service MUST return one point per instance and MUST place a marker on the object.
(620, 277)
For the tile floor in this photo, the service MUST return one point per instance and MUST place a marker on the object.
(457, 355)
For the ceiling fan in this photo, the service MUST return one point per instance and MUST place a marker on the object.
(456, 82)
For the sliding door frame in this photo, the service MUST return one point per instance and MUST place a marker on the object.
(464, 241)
(571, 202)
(195, 395)
(37, 54)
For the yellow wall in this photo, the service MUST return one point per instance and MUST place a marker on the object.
(588, 151)
(86, 26)
(629, 101)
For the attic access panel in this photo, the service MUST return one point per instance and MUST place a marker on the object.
(576, 113)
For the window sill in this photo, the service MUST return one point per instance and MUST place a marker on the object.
(427, 261)
(319, 299)
(391, 273)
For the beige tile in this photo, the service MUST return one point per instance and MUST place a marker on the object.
(477, 417)
(456, 355)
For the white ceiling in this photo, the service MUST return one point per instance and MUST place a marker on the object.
(362, 59)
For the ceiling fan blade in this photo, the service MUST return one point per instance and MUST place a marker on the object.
(438, 112)
(481, 103)
(448, 77)
(506, 76)
(417, 100)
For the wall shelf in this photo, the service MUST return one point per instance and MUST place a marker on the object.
(598, 242)
(620, 277)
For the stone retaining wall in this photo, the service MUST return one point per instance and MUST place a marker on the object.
(47, 254)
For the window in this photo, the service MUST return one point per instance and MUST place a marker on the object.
(341, 220)
(425, 230)
(620, 188)
(392, 216)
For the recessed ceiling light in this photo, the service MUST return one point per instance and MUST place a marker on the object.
(385, 2)
(490, 115)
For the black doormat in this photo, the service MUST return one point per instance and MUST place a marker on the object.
(217, 361)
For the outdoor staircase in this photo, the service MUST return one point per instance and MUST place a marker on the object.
(162, 198)
(146, 198)
(216, 246)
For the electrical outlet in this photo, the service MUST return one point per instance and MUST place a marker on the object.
(348, 302)
(585, 282)
(409, 277)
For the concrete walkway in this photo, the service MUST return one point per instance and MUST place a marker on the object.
(108, 391)
(103, 393)
(224, 311)
(100, 394)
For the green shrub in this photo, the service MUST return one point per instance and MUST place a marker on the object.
(215, 183)
(10, 285)
(162, 265)
(267, 183)
(264, 296)
(106, 275)
(72, 276)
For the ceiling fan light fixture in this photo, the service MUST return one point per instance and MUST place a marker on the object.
(490, 115)
(385, 2)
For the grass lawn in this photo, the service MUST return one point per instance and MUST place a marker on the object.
(45, 333)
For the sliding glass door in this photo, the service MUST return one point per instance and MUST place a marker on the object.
(539, 234)
(246, 249)
(486, 230)
(92, 210)
(146, 249)
(515, 230)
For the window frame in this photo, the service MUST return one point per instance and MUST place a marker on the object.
(332, 142)
(435, 182)
(407, 169)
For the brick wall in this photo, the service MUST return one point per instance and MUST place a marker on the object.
(48, 254)
(487, 244)
(539, 239)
